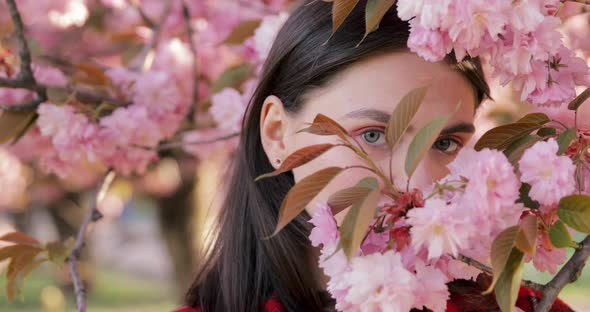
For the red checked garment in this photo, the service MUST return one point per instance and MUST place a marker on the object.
(527, 299)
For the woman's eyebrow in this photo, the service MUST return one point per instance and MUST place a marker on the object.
(383, 117)
(459, 127)
(369, 113)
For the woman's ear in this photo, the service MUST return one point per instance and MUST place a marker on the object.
(273, 128)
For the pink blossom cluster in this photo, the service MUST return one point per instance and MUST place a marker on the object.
(462, 215)
(519, 38)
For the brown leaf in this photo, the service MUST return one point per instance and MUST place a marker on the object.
(91, 74)
(346, 197)
(20, 238)
(324, 125)
(359, 217)
(579, 100)
(15, 250)
(402, 115)
(242, 31)
(526, 240)
(14, 267)
(515, 151)
(302, 193)
(374, 12)
(340, 11)
(14, 123)
(299, 158)
(500, 252)
(501, 137)
(538, 118)
(58, 95)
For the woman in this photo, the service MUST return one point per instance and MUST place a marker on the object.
(310, 71)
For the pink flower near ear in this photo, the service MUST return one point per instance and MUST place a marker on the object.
(325, 230)
(551, 177)
(228, 108)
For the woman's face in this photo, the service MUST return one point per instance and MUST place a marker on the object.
(361, 99)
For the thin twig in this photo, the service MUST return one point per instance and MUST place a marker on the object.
(26, 73)
(146, 19)
(23, 107)
(578, 1)
(569, 273)
(157, 31)
(183, 143)
(93, 216)
(190, 33)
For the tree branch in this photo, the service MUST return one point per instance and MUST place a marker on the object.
(146, 19)
(569, 273)
(157, 30)
(190, 33)
(176, 144)
(93, 216)
(578, 1)
(26, 73)
(23, 107)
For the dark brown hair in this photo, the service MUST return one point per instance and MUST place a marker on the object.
(242, 269)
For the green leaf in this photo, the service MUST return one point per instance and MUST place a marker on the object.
(501, 137)
(538, 118)
(242, 31)
(547, 131)
(579, 100)
(508, 285)
(403, 114)
(60, 251)
(500, 252)
(298, 158)
(374, 12)
(574, 210)
(524, 197)
(423, 141)
(356, 223)
(340, 11)
(344, 198)
(233, 77)
(302, 193)
(565, 139)
(13, 124)
(526, 240)
(560, 236)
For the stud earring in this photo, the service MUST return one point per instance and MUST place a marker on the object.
(277, 161)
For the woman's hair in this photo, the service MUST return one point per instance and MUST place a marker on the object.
(242, 269)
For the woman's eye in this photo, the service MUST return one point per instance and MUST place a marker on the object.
(447, 145)
(374, 137)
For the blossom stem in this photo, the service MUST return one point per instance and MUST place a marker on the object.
(578, 1)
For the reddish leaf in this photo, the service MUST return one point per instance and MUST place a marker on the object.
(340, 11)
(14, 267)
(20, 238)
(346, 197)
(302, 193)
(242, 31)
(299, 158)
(501, 137)
(90, 74)
(15, 250)
(324, 125)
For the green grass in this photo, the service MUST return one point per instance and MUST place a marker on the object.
(113, 292)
